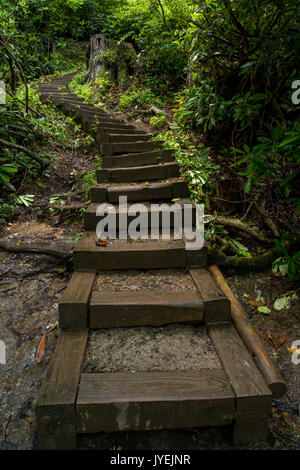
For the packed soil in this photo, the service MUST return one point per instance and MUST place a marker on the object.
(171, 280)
(173, 347)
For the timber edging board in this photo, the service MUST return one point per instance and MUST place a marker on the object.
(253, 396)
(153, 400)
(74, 304)
(55, 408)
(216, 304)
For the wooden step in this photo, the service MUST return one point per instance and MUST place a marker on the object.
(153, 400)
(129, 147)
(157, 216)
(110, 309)
(114, 138)
(103, 135)
(138, 173)
(140, 192)
(94, 116)
(105, 126)
(138, 159)
(137, 254)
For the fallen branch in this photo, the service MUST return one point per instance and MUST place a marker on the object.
(6, 143)
(238, 225)
(63, 252)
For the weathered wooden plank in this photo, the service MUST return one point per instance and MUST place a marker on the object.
(119, 254)
(138, 159)
(55, 407)
(253, 396)
(157, 215)
(129, 137)
(74, 304)
(109, 309)
(141, 192)
(138, 173)
(216, 304)
(154, 400)
(127, 147)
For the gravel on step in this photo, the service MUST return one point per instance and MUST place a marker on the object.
(171, 280)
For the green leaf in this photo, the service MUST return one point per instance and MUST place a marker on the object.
(264, 310)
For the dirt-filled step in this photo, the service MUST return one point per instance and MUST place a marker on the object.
(159, 215)
(134, 254)
(162, 190)
(138, 173)
(137, 159)
(138, 297)
(145, 349)
(147, 378)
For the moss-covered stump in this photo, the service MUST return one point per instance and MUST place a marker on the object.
(108, 55)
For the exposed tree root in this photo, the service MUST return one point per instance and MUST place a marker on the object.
(40, 248)
(238, 225)
(23, 149)
(239, 262)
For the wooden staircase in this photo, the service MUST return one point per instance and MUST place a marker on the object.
(72, 402)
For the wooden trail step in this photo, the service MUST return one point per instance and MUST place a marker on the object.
(140, 192)
(138, 159)
(71, 402)
(138, 173)
(128, 147)
(105, 126)
(110, 309)
(93, 116)
(103, 134)
(138, 254)
(114, 138)
(153, 400)
(157, 215)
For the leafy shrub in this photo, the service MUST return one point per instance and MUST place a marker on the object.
(158, 121)
(138, 97)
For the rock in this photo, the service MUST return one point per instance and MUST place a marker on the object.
(108, 55)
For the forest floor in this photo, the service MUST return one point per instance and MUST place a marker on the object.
(31, 287)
